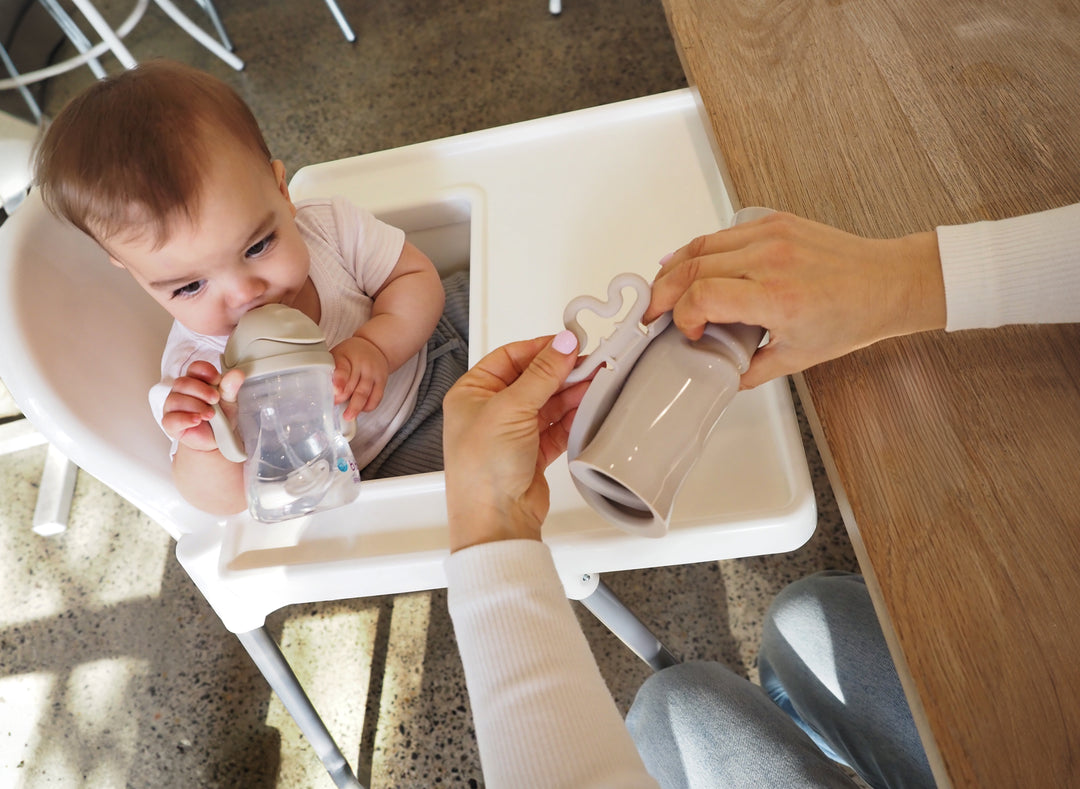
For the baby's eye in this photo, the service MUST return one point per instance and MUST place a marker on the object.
(186, 291)
(259, 247)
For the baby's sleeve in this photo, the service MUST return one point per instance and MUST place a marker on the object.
(370, 248)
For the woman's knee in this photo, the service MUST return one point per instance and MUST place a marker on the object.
(681, 688)
(810, 616)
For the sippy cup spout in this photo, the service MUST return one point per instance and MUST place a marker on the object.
(267, 340)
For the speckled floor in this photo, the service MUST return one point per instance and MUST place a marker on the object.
(113, 670)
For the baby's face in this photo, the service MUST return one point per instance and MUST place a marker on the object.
(242, 251)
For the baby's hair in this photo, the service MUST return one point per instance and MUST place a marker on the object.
(128, 155)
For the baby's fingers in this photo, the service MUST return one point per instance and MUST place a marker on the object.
(182, 413)
(365, 397)
(203, 371)
(194, 386)
(343, 380)
(176, 422)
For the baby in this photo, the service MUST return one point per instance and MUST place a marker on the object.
(166, 168)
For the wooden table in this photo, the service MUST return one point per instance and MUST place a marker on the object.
(955, 457)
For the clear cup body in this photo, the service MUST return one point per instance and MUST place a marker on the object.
(298, 460)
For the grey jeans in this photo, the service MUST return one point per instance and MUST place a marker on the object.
(830, 690)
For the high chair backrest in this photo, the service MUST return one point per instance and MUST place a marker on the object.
(81, 347)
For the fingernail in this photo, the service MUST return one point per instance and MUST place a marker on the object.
(565, 342)
(666, 258)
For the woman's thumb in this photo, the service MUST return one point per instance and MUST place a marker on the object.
(547, 371)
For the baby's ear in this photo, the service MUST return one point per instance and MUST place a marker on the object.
(278, 167)
(283, 185)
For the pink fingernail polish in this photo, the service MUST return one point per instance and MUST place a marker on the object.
(565, 342)
(666, 258)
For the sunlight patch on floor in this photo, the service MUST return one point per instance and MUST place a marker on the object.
(23, 700)
(402, 699)
(331, 656)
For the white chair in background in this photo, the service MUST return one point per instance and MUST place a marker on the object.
(112, 39)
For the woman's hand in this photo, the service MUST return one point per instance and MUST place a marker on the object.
(819, 291)
(505, 421)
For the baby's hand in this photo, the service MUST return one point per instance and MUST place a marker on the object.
(189, 405)
(360, 373)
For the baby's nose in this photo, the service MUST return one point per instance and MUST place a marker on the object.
(244, 290)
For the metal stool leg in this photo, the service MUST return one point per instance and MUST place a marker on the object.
(273, 665)
(215, 20)
(197, 33)
(621, 621)
(27, 96)
(108, 35)
(71, 30)
(343, 23)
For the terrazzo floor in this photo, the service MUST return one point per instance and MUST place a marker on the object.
(114, 672)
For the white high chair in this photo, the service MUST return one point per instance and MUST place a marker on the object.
(539, 212)
(58, 476)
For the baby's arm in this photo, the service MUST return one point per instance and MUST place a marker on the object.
(200, 472)
(404, 314)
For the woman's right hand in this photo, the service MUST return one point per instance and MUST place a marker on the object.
(820, 292)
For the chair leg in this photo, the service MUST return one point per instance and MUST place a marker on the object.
(107, 34)
(57, 477)
(343, 23)
(54, 494)
(215, 20)
(75, 36)
(273, 665)
(197, 33)
(620, 620)
(27, 96)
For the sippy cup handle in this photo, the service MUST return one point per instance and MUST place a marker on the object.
(225, 435)
(626, 342)
(348, 426)
(627, 332)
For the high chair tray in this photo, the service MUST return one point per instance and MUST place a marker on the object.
(541, 212)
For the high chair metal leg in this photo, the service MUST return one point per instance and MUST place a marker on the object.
(273, 665)
(621, 621)
(54, 494)
(57, 477)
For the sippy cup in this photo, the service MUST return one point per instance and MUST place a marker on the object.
(655, 399)
(296, 458)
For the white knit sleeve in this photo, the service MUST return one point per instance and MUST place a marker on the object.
(1020, 270)
(544, 717)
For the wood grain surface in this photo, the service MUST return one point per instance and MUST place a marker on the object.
(956, 456)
